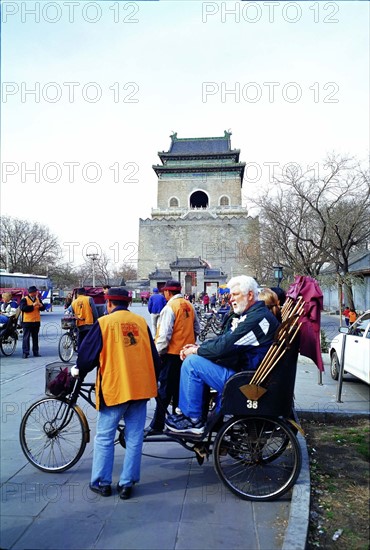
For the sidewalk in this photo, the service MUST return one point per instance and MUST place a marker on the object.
(177, 505)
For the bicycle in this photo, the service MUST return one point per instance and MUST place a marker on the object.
(9, 337)
(253, 440)
(209, 322)
(67, 344)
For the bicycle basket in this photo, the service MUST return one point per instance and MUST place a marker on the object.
(67, 323)
(58, 380)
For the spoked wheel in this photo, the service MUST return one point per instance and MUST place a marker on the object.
(53, 435)
(257, 458)
(65, 347)
(8, 345)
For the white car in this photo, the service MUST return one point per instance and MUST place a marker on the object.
(357, 349)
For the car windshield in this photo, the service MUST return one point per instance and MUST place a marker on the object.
(360, 325)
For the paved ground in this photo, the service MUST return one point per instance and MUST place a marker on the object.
(177, 505)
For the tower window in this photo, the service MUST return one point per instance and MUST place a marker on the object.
(174, 202)
(224, 201)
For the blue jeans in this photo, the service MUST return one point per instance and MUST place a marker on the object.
(134, 414)
(195, 373)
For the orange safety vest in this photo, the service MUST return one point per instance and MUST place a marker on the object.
(183, 328)
(82, 310)
(126, 369)
(32, 316)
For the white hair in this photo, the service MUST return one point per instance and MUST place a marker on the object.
(245, 283)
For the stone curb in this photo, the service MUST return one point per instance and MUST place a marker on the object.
(296, 534)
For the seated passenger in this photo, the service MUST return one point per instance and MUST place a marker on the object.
(247, 336)
(271, 301)
(8, 309)
(281, 294)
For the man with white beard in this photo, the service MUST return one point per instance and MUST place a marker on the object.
(248, 334)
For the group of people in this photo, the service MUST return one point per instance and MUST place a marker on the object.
(30, 307)
(350, 315)
(135, 365)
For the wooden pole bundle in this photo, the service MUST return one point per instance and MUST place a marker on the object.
(287, 331)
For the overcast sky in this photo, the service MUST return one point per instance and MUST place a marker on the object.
(91, 91)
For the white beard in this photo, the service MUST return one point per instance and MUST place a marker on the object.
(239, 308)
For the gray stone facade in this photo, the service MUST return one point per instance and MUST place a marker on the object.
(199, 212)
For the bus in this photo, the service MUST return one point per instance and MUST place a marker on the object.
(18, 283)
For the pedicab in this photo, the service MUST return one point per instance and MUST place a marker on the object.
(252, 436)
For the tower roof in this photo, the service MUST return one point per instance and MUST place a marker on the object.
(200, 146)
(184, 151)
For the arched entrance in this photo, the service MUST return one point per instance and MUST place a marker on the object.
(198, 199)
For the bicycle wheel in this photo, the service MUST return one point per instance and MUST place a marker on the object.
(66, 347)
(257, 458)
(8, 345)
(53, 434)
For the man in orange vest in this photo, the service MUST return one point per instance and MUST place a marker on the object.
(30, 306)
(122, 346)
(178, 326)
(84, 309)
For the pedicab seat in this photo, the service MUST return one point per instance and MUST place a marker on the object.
(273, 397)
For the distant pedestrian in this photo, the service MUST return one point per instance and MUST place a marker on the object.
(30, 306)
(105, 290)
(155, 305)
(84, 309)
(206, 302)
(352, 316)
(68, 300)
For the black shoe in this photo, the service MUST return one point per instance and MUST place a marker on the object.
(103, 490)
(36, 355)
(124, 492)
(25, 355)
(152, 431)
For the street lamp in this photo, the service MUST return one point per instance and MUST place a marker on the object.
(94, 257)
(278, 274)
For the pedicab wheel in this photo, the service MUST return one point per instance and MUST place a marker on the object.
(8, 345)
(257, 458)
(65, 348)
(53, 434)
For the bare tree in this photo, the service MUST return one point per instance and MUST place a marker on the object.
(64, 276)
(284, 219)
(27, 246)
(310, 220)
(126, 272)
(95, 269)
(102, 269)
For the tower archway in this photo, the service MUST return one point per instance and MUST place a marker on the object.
(198, 199)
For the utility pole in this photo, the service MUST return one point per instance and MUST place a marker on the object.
(93, 257)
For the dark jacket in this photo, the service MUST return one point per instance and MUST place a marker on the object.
(156, 303)
(245, 340)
